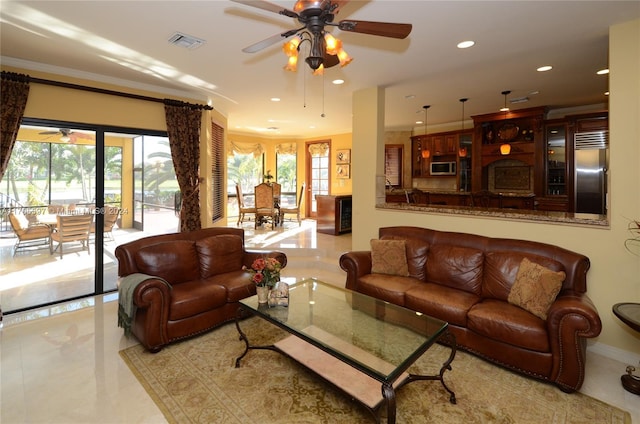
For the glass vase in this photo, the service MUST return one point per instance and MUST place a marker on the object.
(263, 294)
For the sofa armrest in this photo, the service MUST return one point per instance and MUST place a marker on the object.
(356, 264)
(571, 319)
(252, 255)
(152, 299)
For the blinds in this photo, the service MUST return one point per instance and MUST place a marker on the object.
(217, 173)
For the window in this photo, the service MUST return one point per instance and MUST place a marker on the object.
(217, 140)
(286, 165)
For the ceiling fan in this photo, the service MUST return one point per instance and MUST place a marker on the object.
(68, 136)
(314, 15)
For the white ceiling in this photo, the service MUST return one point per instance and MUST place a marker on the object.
(126, 42)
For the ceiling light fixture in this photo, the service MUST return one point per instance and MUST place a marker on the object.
(325, 51)
(544, 68)
(466, 44)
(425, 152)
(505, 148)
(603, 72)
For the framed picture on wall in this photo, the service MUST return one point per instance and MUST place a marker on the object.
(343, 156)
(343, 171)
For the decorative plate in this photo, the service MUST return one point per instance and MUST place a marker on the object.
(508, 132)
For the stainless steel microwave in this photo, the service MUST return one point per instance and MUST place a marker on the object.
(443, 168)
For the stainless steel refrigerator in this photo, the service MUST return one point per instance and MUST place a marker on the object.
(591, 172)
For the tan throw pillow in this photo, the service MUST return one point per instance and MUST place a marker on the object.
(389, 257)
(535, 288)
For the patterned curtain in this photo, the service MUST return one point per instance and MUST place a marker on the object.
(255, 149)
(183, 127)
(14, 91)
(287, 149)
(319, 149)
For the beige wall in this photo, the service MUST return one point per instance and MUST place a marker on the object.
(615, 273)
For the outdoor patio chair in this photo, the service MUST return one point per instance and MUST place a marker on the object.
(28, 235)
(295, 210)
(71, 228)
(111, 214)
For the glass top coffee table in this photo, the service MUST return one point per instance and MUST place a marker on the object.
(360, 344)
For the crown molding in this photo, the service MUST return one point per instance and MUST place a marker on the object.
(74, 73)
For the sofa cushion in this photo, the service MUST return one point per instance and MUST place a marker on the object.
(389, 257)
(175, 261)
(390, 288)
(441, 302)
(195, 297)
(237, 283)
(510, 324)
(501, 269)
(455, 266)
(220, 254)
(416, 256)
(536, 288)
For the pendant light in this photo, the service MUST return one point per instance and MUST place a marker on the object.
(462, 151)
(425, 152)
(505, 148)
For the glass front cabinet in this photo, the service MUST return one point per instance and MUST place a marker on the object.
(556, 175)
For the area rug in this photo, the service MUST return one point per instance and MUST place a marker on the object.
(195, 381)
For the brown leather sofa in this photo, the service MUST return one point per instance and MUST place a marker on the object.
(466, 279)
(205, 279)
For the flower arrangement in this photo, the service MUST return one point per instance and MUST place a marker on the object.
(265, 272)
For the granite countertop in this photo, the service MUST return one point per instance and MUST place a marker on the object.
(521, 214)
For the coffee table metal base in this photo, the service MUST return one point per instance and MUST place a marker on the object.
(372, 393)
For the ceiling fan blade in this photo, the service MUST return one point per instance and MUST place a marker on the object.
(49, 132)
(269, 7)
(330, 60)
(383, 29)
(281, 36)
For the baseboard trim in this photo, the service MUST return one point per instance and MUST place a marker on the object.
(620, 355)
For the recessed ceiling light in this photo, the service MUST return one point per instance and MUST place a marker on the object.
(338, 81)
(312, 126)
(606, 93)
(410, 96)
(544, 68)
(466, 44)
(603, 72)
(419, 122)
(275, 99)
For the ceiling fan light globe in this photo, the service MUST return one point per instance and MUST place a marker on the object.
(65, 139)
(333, 45)
(292, 64)
(290, 48)
(344, 57)
(319, 71)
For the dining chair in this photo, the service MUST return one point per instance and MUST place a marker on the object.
(28, 235)
(265, 208)
(295, 210)
(243, 209)
(71, 228)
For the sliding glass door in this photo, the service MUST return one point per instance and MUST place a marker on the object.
(58, 169)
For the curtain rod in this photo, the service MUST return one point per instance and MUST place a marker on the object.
(27, 78)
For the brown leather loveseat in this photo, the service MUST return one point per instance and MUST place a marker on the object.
(467, 280)
(200, 282)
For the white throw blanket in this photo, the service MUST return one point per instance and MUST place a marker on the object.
(126, 307)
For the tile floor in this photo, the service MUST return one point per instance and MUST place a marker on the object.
(61, 364)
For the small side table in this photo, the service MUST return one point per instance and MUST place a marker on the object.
(629, 313)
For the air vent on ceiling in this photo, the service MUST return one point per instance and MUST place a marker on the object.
(187, 41)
